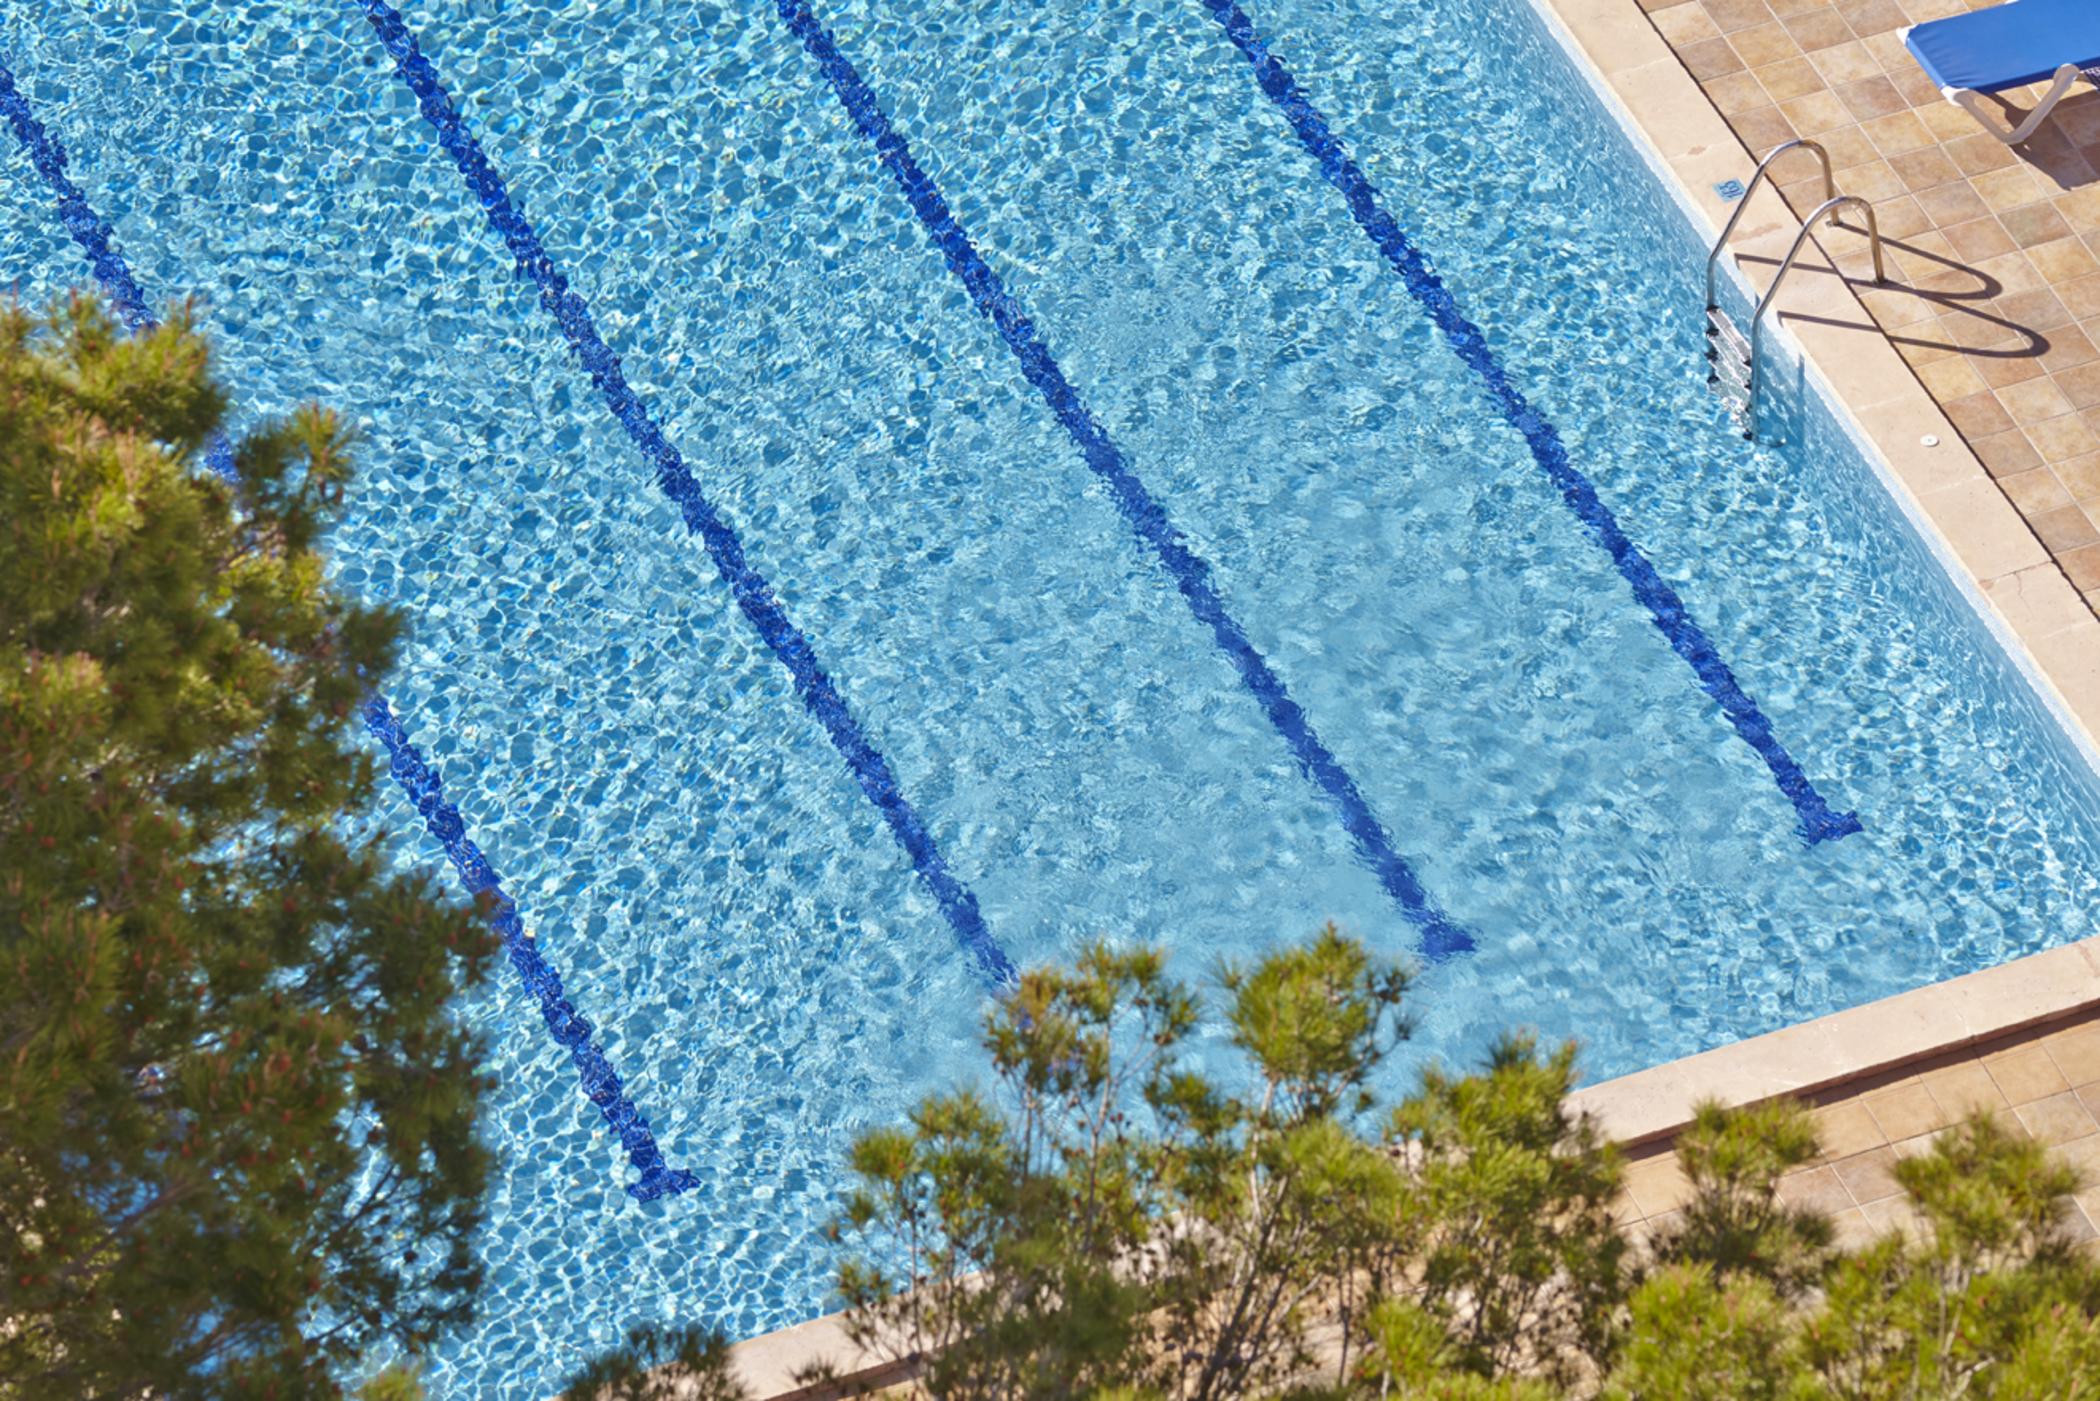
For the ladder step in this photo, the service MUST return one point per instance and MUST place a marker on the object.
(1727, 369)
(1720, 328)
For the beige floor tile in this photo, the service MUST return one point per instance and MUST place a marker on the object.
(1817, 112)
(1917, 89)
(2076, 1051)
(2009, 365)
(1657, 1184)
(1979, 238)
(2059, 1118)
(2034, 224)
(1876, 182)
(2063, 259)
(2037, 310)
(1710, 58)
(2081, 385)
(1854, 1228)
(2082, 568)
(1947, 123)
(1846, 1128)
(2036, 492)
(1980, 154)
(1979, 416)
(1965, 1088)
(1869, 17)
(1847, 147)
(1683, 24)
(2025, 1073)
(2066, 529)
(1818, 1189)
(2081, 477)
(2013, 272)
(2081, 295)
(1792, 78)
(1974, 328)
(2069, 347)
(1737, 93)
(1949, 380)
(1896, 307)
(1894, 1214)
(2083, 1156)
(1918, 1145)
(2011, 188)
(1924, 168)
(2061, 439)
(1955, 202)
(2088, 1203)
(2005, 453)
(1819, 29)
(1871, 98)
(1764, 43)
(1732, 15)
(1762, 129)
(2035, 401)
(1845, 63)
(1900, 218)
(2080, 208)
(1867, 1175)
(1905, 1111)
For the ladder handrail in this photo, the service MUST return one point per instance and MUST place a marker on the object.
(1829, 193)
(1764, 303)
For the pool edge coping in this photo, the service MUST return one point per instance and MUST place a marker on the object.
(1857, 1043)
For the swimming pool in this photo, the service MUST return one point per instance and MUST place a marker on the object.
(1048, 488)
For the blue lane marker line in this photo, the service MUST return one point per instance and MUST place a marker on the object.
(568, 1026)
(91, 233)
(1672, 618)
(754, 595)
(416, 777)
(1440, 936)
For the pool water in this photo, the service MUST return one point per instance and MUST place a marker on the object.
(1271, 615)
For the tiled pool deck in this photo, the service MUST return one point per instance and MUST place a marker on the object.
(1995, 295)
(2044, 1082)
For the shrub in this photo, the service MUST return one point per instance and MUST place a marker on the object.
(1109, 1220)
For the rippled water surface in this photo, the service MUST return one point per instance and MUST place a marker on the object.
(767, 970)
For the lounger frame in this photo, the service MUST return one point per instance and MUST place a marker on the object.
(1978, 105)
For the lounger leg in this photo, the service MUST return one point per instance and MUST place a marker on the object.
(1980, 107)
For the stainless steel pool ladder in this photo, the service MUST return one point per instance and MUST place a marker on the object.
(1731, 357)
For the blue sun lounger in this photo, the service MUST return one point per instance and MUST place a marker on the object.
(1988, 51)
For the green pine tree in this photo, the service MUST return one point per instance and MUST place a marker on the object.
(237, 1149)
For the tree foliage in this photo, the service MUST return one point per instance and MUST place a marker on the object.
(1119, 1217)
(237, 1140)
